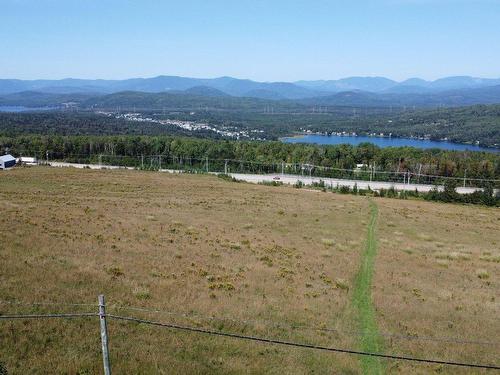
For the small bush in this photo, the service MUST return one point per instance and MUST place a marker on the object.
(344, 189)
(115, 272)
(320, 184)
(482, 274)
(227, 177)
(271, 183)
(142, 293)
(342, 284)
(299, 184)
(267, 260)
(327, 242)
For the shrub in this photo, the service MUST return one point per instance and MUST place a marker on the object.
(299, 184)
(482, 274)
(227, 177)
(327, 242)
(344, 189)
(320, 184)
(391, 192)
(271, 183)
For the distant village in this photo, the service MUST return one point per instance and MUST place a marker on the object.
(192, 126)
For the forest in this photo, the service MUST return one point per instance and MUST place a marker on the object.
(475, 124)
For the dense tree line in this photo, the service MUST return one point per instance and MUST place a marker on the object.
(194, 150)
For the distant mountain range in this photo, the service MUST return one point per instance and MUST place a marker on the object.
(353, 91)
(244, 87)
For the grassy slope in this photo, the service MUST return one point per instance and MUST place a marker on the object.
(362, 300)
(438, 275)
(202, 247)
(191, 245)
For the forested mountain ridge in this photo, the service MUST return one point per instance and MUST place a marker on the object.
(245, 87)
(205, 96)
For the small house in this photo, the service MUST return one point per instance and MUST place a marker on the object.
(7, 161)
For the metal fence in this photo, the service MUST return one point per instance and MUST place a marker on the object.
(221, 165)
(103, 317)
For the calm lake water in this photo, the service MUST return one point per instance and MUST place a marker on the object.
(18, 108)
(384, 142)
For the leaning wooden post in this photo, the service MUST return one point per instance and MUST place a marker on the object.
(104, 335)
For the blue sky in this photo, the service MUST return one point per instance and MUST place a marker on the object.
(267, 40)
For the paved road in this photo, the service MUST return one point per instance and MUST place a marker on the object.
(292, 179)
(374, 185)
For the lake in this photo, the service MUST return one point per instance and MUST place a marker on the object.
(18, 108)
(384, 142)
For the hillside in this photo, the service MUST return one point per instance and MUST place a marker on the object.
(247, 87)
(246, 259)
(403, 97)
(256, 98)
(199, 99)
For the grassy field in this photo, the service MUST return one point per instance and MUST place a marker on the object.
(269, 261)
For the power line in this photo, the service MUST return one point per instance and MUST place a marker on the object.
(255, 321)
(273, 164)
(305, 327)
(43, 316)
(301, 345)
(20, 303)
(250, 338)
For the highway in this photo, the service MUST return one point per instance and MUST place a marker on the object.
(292, 179)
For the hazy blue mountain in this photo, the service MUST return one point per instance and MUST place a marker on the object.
(450, 98)
(412, 85)
(41, 99)
(408, 89)
(264, 94)
(415, 82)
(461, 82)
(205, 91)
(372, 84)
(357, 91)
(245, 87)
(450, 83)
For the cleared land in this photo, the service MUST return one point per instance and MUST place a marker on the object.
(263, 260)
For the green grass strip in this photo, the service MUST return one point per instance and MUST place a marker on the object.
(370, 341)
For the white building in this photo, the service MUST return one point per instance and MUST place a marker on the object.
(27, 160)
(7, 161)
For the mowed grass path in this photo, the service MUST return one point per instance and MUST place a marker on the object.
(362, 301)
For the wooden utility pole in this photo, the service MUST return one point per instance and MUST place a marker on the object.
(104, 335)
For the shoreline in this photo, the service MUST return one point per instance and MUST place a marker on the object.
(289, 139)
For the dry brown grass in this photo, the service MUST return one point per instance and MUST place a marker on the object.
(200, 246)
(194, 245)
(432, 279)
